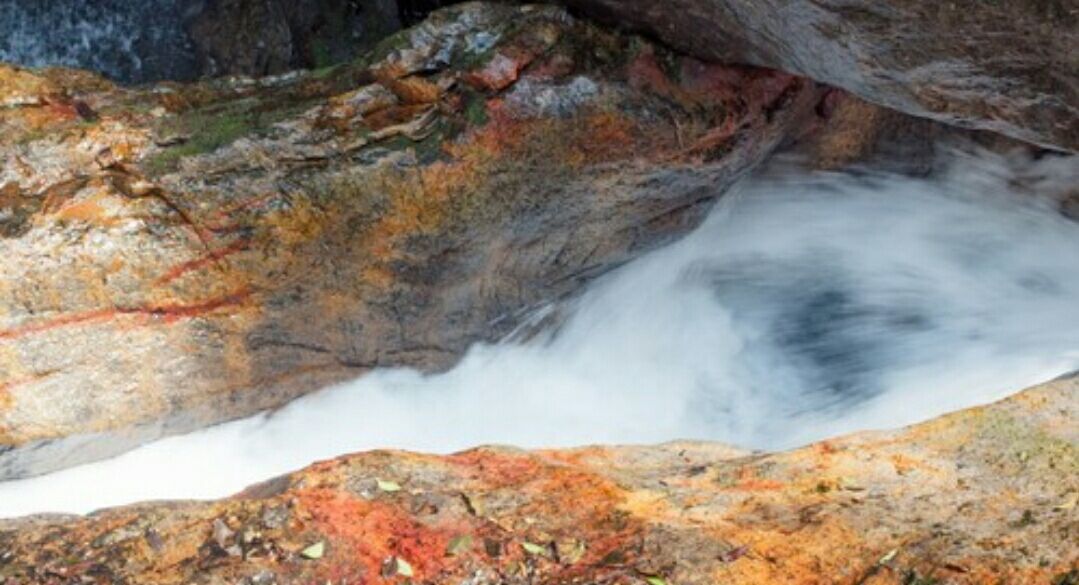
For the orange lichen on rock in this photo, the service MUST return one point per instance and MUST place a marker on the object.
(603, 515)
(246, 241)
(364, 534)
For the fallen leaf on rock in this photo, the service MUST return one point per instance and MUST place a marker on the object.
(887, 558)
(388, 486)
(534, 549)
(315, 551)
(570, 552)
(850, 485)
(458, 545)
(1069, 503)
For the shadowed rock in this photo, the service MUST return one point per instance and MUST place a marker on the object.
(1009, 66)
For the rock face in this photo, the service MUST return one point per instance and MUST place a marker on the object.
(1011, 67)
(176, 256)
(981, 496)
(262, 37)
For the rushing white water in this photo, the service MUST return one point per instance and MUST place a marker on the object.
(130, 40)
(804, 307)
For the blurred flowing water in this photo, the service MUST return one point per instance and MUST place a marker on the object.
(128, 40)
(808, 305)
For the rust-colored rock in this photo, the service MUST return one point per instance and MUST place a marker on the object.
(1010, 66)
(982, 496)
(174, 256)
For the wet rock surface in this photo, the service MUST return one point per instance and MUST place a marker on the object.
(980, 496)
(178, 255)
(1010, 67)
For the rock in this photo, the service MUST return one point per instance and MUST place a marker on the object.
(196, 253)
(262, 37)
(973, 497)
(1010, 67)
(855, 134)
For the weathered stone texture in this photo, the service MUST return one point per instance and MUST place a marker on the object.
(175, 256)
(984, 496)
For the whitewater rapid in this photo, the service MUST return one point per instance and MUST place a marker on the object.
(129, 40)
(806, 306)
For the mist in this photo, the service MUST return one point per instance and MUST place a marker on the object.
(806, 306)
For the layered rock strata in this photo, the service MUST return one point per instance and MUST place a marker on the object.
(1010, 67)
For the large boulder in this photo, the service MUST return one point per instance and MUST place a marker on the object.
(1010, 66)
(981, 496)
(175, 256)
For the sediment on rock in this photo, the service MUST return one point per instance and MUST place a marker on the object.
(179, 255)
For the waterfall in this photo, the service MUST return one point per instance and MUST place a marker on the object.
(808, 305)
(128, 40)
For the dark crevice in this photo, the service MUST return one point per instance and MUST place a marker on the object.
(413, 12)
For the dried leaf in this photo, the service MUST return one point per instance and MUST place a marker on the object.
(850, 485)
(458, 545)
(887, 558)
(534, 549)
(388, 486)
(571, 552)
(315, 551)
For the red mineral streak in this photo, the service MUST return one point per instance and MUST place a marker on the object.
(168, 313)
(204, 261)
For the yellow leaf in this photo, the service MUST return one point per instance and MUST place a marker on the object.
(459, 545)
(388, 486)
(1069, 503)
(534, 549)
(315, 551)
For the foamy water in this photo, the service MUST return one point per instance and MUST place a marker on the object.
(805, 307)
(130, 40)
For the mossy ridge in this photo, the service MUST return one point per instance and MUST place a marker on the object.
(207, 129)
